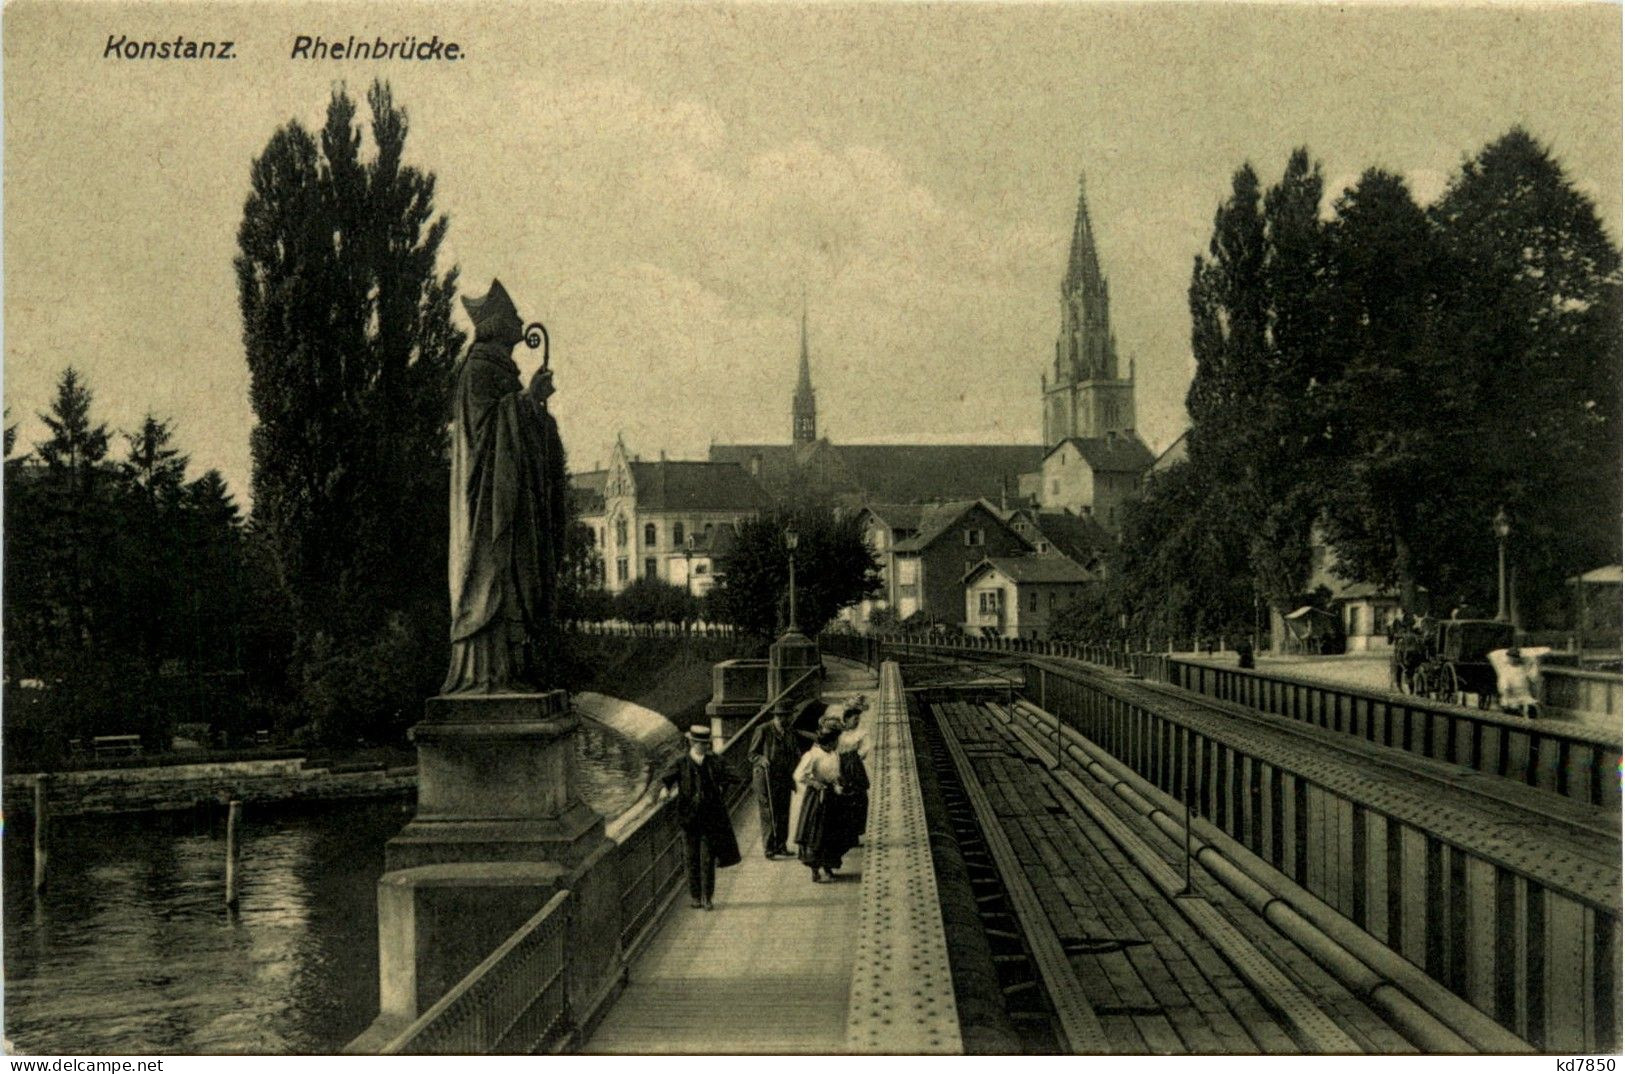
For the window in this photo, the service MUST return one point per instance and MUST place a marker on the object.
(1055, 487)
(975, 538)
(651, 535)
(620, 533)
(1032, 601)
(1021, 527)
(620, 570)
(701, 568)
(988, 601)
(651, 568)
(908, 569)
(677, 535)
(1043, 546)
(707, 530)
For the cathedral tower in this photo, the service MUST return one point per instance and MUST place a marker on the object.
(1084, 394)
(803, 407)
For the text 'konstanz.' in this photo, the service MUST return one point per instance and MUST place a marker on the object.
(306, 47)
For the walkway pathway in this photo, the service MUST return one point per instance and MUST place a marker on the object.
(768, 971)
(1366, 671)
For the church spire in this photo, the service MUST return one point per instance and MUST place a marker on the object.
(803, 405)
(1083, 265)
(804, 381)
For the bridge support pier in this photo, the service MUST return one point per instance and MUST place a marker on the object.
(499, 828)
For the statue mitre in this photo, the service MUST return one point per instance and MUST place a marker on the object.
(494, 309)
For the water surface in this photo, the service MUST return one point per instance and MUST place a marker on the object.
(131, 950)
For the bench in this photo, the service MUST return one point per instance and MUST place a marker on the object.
(117, 745)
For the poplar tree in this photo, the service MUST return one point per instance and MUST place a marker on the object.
(350, 344)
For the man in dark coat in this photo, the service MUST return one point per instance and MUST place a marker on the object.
(507, 512)
(697, 781)
(774, 751)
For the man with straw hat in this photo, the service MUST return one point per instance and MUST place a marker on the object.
(697, 781)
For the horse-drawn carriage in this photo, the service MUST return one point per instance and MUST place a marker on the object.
(1449, 659)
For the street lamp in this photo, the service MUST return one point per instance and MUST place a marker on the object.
(1503, 529)
(791, 540)
(688, 590)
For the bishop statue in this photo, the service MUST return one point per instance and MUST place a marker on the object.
(507, 513)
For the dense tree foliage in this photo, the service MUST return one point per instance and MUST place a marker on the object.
(646, 601)
(835, 568)
(350, 345)
(1385, 376)
(125, 589)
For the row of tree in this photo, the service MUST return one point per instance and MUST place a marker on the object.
(1378, 381)
(129, 589)
(835, 569)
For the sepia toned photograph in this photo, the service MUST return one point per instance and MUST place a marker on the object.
(811, 529)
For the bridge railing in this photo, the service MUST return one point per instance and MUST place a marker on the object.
(1568, 759)
(1483, 921)
(518, 1000)
(515, 1002)
(1565, 758)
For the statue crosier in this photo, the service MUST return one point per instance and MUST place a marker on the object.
(507, 513)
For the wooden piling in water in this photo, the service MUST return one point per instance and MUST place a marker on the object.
(233, 812)
(40, 795)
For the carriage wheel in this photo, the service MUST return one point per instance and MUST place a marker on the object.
(1422, 682)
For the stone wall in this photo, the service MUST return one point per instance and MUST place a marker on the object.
(169, 788)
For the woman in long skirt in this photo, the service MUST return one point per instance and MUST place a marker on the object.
(819, 821)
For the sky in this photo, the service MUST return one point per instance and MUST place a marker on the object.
(662, 185)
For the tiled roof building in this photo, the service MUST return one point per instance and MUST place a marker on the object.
(667, 519)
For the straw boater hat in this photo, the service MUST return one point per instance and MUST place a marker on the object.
(699, 733)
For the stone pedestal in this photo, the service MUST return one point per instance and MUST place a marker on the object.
(496, 783)
(787, 659)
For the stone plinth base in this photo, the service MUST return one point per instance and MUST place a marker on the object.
(739, 688)
(496, 783)
(787, 659)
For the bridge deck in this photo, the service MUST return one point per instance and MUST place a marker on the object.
(768, 971)
(1160, 973)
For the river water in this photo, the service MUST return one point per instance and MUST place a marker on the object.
(131, 950)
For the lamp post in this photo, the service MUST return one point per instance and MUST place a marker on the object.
(791, 540)
(688, 592)
(1502, 525)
